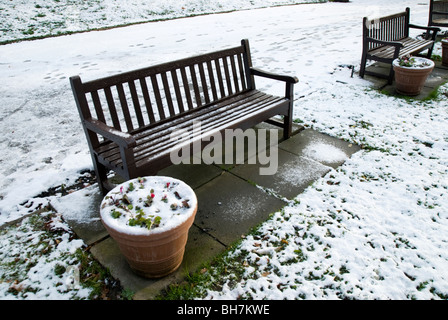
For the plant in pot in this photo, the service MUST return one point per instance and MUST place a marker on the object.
(411, 74)
(445, 52)
(149, 218)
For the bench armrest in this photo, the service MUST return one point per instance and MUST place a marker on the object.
(385, 43)
(424, 28)
(428, 29)
(123, 139)
(261, 73)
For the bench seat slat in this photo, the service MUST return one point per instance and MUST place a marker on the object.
(442, 21)
(410, 46)
(149, 146)
(213, 124)
(237, 110)
(159, 129)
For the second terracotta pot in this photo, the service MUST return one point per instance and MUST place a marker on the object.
(411, 80)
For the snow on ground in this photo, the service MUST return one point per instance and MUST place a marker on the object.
(42, 17)
(374, 228)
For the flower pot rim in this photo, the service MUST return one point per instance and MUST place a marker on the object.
(431, 65)
(119, 226)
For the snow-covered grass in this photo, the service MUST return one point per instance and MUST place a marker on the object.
(39, 18)
(375, 228)
(42, 259)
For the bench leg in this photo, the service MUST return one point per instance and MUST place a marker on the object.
(101, 177)
(362, 68)
(287, 127)
(429, 55)
(391, 75)
(287, 120)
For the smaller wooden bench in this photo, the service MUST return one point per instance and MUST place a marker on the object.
(387, 38)
(438, 13)
(128, 118)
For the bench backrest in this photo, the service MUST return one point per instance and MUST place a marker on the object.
(391, 28)
(136, 99)
(438, 10)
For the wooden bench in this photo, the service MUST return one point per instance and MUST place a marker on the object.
(387, 38)
(438, 13)
(128, 117)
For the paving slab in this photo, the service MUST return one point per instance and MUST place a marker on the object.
(200, 248)
(294, 174)
(320, 147)
(84, 220)
(230, 207)
(381, 68)
(195, 175)
(302, 159)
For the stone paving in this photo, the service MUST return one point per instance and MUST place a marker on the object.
(438, 76)
(232, 200)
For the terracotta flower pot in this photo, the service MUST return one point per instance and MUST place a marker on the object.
(410, 80)
(155, 251)
(445, 52)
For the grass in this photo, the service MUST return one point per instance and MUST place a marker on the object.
(57, 18)
(39, 246)
(227, 267)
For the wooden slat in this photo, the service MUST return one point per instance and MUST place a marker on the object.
(211, 77)
(124, 107)
(200, 114)
(227, 76)
(204, 83)
(234, 73)
(166, 88)
(147, 100)
(220, 78)
(112, 108)
(242, 74)
(195, 86)
(176, 85)
(98, 107)
(186, 88)
(136, 103)
(158, 142)
(410, 46)
(157, 96)
(212, 123)
(159, 129)
(390, 28)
